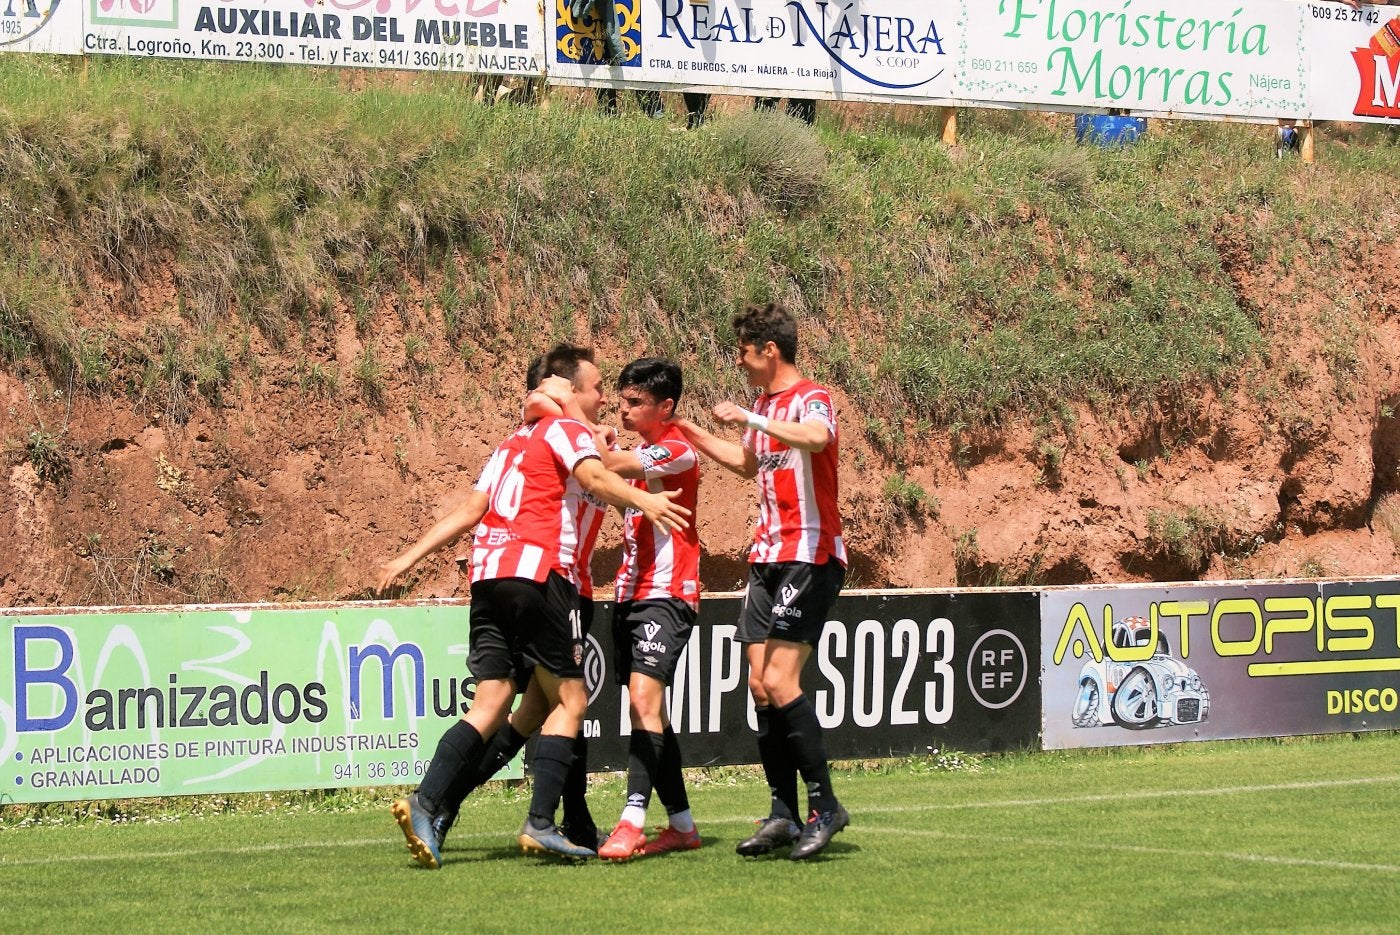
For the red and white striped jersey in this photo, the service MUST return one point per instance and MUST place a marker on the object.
(588, 512)
(530, 527)
(657, 564)
(799, 519)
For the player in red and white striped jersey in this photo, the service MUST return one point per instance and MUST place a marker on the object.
(797, 567)
(530, 528)
(658, 596)
(798, 515)
(525, 611)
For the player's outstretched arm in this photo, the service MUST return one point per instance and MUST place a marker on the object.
(610, 488)
(804, 436)
(448, 529)
(723, 452)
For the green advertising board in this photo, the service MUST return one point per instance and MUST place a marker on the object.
(190, 701)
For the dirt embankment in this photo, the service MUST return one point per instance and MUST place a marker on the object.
(295, 487)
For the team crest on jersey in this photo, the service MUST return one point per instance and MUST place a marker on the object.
(584, 440)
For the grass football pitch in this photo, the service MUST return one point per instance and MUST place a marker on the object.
(1294, 835)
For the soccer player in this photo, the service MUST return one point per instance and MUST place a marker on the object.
(797, 567)
(525, 616)
(658, 597)
(549, 376)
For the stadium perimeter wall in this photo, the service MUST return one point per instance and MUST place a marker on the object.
(1263, 60)
(121, 702)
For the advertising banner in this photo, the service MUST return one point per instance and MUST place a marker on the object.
(1137, 665)
(1260, 60)
(1355, 57)
(1182, 57)
(487, 36)
(894, 674)
(41, 26)
(901, 50)
(106, 705)
(220, 700)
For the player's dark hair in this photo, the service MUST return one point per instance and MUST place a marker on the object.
(759, 324)
(659, 377)
(561, 360)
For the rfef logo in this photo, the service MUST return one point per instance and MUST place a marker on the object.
(997, 668)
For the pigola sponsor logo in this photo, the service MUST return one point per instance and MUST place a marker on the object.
(649, 643)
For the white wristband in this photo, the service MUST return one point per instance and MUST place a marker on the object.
(755, 421)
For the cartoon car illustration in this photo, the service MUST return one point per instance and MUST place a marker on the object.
(1156, 692)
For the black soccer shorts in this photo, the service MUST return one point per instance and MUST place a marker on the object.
(789, 601)
(648, 637)
(517, 624)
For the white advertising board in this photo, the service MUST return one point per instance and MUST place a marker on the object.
(1260, 60)
(53, 26)
(895, 50)
(1355, 57)
(486, 36)
(1168, 57)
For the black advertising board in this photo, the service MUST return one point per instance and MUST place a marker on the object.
(1356, 684)
(894, 674)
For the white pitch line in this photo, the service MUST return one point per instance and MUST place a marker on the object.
(391, 838)
(1138, 796)
(1140, 849)
(198, 852)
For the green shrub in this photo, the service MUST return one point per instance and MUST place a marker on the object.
(782, 158)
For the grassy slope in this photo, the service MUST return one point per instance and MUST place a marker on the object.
(1257, 836)
(1005, 277)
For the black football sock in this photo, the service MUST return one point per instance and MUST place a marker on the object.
(804, 739)
(576, 813)
(670, 781)
(553, 756)
(644, 751)
(500, 750)
(777, 762)
(457, 754)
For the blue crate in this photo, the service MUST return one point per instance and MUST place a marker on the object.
(1108, 131)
